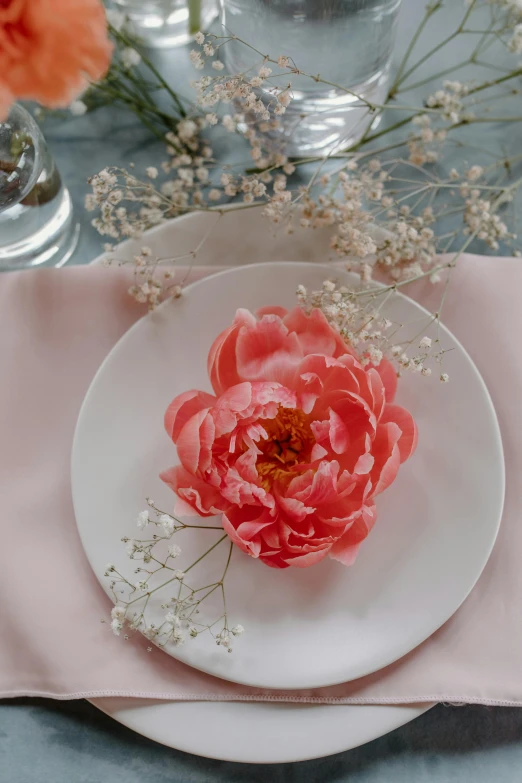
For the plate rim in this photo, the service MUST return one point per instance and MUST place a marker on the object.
(197, 743)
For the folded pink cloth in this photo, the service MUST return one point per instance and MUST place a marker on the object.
(56, 326)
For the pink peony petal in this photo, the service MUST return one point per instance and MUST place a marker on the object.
(343, 552)
(339, 433)
(387, 456)
(192, 439)
(309, 387)
(323, 488)
(389, 378)
(364, 464)
(403, 418)
(183, 407)
(274, 310)
(304, 561)
(240, 492)
(251, 548)
(248, 530)
(345, 549)
(268, 352)
(234, 400)
(294, 509)
(318, 452)
(314, 333)
(196, 497)
(221, 363)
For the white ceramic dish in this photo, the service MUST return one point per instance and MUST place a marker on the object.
(436, 526)
(258, 732)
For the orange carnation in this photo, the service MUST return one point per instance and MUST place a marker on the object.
(50, 50)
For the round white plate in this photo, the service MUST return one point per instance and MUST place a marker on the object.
(305, 627)
(256, 732)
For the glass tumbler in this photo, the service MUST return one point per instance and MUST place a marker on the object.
(37, 226)
(167, 23)
(347, 42)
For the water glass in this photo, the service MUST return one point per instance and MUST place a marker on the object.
(37, 226)
(167, 23)
(347, 42)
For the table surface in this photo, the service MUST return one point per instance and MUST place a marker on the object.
(43, 740)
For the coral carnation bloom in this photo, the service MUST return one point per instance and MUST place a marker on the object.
(50, 49)
(295, 444)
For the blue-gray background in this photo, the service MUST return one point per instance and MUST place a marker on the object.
(72, 742)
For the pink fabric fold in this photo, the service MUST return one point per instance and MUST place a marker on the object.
(56, 326)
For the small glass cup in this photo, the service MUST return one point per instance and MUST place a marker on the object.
(37, 226)
(167, 23)
(348, 42)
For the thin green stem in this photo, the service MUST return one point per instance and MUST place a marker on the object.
(430, 10)
(439, 46)
(121, 36)
(434, 76)
(194, 8)
(486, 85)
(205, 553)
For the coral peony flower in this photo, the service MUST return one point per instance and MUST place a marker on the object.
(295, 444)
(50, 49)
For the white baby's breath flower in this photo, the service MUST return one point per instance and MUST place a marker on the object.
(116, 626)
(199, 38)
(179, 575)
(474, 173)
(143, 519)
(223, 639)
(425, 342)
(115, 18)
(118, 613)
(130, 57)
(237, 630)
(174, 550)
(167, 523)
(196, 60)
(178, 637)
(444, 377)
(172, 618)
(77, 108)
(142, 585)
(217, 65)
(151, 172)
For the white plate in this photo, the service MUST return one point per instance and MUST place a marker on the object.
(258, 733)
(327, 624)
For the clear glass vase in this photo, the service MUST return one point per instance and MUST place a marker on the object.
(347, 42)
(167, 23)
(37, 226)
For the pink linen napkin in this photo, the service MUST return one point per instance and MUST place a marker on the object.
(56, 326)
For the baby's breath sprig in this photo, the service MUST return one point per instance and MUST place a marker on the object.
(384, 209)
(159, 579)
(357, 314)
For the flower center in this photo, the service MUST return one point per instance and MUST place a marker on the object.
(288, 443)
